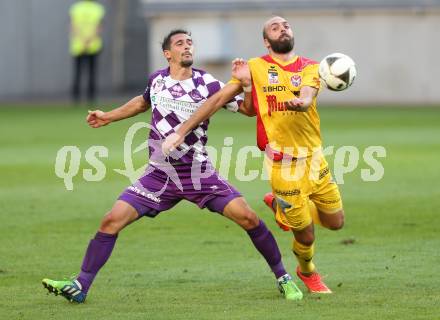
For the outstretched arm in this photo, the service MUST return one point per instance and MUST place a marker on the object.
(241, 72)
(247, 107)
(211, 106)
(98, 118)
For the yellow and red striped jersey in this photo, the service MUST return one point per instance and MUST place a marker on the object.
(273, 83)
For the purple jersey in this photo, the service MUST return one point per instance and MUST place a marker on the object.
(188, 175)
(173, 102)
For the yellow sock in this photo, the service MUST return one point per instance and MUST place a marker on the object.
(314, 213)
(304, 255)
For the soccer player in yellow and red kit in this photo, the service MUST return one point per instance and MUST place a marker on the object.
(281, 89)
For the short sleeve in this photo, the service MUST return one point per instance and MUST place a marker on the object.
(234, 81)
(213, 85)
(311, 76)
(234, 104)
(146, 94)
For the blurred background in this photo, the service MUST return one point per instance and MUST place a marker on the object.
(393, 42)
(191, 265)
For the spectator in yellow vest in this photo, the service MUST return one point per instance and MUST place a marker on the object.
(85, 43)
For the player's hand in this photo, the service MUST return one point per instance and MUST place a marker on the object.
(171, 143)
(240, 71)
(97, 118)
(294, 104)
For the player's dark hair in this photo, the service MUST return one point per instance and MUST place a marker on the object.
(166, 43)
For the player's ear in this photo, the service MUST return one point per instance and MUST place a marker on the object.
(167, 54)
(266, 43)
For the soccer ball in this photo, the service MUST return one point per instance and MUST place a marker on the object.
(337, 71)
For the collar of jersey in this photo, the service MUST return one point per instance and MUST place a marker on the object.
(284, 63)
(168, 74)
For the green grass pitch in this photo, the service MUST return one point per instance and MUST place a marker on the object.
(192, 264)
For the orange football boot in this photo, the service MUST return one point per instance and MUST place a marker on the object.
(313, 282)
(269, 201)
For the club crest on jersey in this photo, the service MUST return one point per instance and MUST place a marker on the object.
(295, 80)
(272, 74)
(158, 85)
(195, 95)
(176, 91)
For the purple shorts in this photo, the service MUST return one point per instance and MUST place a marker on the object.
(160, 189)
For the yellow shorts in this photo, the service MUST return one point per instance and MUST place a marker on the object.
(296, 182)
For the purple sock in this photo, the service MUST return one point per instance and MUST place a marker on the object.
(99, 250)
(265, 243)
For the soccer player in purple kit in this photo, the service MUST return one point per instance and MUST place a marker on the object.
(173, 94)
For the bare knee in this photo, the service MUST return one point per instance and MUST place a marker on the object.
(110, 223)
(338, 221)
(248, 220)
(339, 225)
(333, 221)
(245, 217)
(116, 220)
(239, 211)
(305, 236)
(121, 215)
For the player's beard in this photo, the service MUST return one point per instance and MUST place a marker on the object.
(186, 63)
(284, 45)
